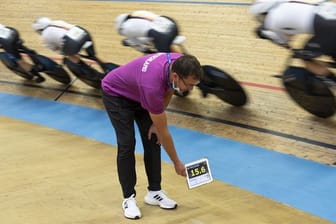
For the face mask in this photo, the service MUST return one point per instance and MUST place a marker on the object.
(174, 87)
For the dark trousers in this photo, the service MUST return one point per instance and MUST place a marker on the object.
(122, 113)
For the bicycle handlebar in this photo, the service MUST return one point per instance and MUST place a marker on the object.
(307, 55)
(24, 49)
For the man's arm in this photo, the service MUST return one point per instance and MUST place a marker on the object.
(168, 97)
(275, 37)
(160, 122)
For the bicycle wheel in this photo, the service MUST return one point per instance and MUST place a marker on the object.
(309, 92)
(53, 70)
(222, 85)
(11, 64)
(85, 73)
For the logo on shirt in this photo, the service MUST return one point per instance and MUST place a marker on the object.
(149, 60)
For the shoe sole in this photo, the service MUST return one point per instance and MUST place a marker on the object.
(158, 204)
(133, 218)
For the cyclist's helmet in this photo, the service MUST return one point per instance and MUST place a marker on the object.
(41, 23)
(119, 20)
(261, 7)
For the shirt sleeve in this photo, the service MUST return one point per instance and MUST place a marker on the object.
(277, 37)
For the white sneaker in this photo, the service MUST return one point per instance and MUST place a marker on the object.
(130, 208)
(161, 199)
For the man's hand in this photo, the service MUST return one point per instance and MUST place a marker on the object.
(306, 54)
(180, 168)
(152, 130)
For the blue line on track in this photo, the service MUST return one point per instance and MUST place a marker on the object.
(217, 120)
(303, 184)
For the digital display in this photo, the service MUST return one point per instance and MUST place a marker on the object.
(198, 173)
(197, 169)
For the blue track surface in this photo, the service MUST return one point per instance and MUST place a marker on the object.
(302, 184)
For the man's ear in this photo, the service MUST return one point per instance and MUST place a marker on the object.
(174, 75)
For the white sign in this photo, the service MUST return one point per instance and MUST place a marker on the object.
(198, 173)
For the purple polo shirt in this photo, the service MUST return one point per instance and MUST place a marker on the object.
(144, 80)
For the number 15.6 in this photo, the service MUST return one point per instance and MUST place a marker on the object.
(197, 171)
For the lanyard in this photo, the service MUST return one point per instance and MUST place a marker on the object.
(169, 63)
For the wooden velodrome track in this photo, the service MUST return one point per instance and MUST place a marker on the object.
(80, 186)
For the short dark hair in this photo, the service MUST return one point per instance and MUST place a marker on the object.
(188, 65)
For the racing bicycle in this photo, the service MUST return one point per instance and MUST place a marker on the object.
(44, 64)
